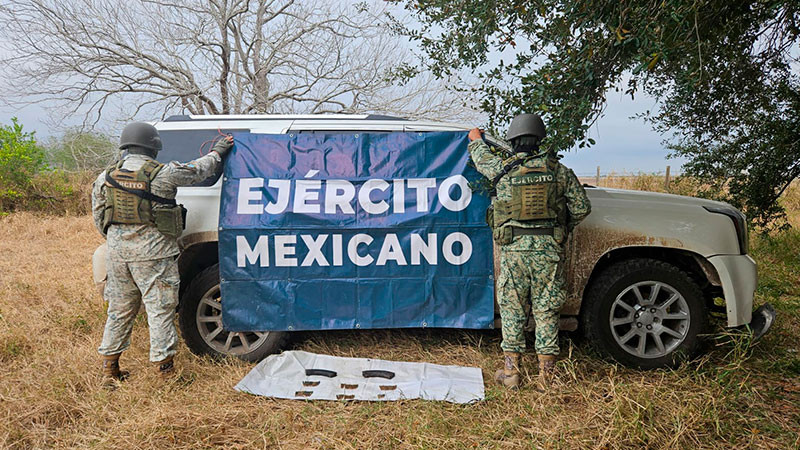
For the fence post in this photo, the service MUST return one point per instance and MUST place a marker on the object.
(597, 177)
(666, 180)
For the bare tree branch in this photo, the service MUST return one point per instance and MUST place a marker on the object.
(213, 56)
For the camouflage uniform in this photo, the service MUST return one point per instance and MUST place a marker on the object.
(532, 266)
(141, 262)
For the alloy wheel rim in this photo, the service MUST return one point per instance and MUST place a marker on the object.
(649, 319)
(209, 323)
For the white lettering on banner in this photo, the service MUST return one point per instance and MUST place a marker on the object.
(307, 190)
(247, 194)
(466, 248)
(366, 203)
(352, 250)
(390, 250)
(340, 195)
(252, 255)
(283, 186)
(426, 249)
(444, 193)
(399, 197)
(284, 252)
(337, 249)
(422, 185)
(317, 246)
(314, 250)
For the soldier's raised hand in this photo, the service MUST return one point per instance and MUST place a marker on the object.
(475, 134)
(223, 146)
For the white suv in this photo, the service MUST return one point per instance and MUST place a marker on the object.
(644, 273)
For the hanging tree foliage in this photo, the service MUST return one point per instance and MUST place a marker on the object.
(722, 70)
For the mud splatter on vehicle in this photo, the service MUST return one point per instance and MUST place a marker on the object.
(585, 248)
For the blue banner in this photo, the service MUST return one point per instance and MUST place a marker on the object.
(343, 231)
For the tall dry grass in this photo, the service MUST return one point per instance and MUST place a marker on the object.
(679, 185)
(51, 321)
(791, 201)
(684, 185)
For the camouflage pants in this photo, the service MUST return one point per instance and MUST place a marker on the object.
(531, 279)
(155, 283)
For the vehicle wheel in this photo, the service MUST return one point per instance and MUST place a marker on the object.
(645, 313)
(200, 319)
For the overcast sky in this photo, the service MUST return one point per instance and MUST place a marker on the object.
(624, 145)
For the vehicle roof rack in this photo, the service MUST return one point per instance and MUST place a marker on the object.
(384, 117)
(177, 118)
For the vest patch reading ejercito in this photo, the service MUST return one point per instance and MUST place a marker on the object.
(533, 178)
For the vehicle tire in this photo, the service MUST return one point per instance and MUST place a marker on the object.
(200, 320)
(644, 313)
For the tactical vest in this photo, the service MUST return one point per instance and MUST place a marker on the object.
(130, 202)
(536, 196)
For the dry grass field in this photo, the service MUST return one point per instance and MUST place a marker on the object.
(737, 395)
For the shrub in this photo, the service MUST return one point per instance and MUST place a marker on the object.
(28, 183)
(21, 158)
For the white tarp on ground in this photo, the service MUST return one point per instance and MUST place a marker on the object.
(284, 376)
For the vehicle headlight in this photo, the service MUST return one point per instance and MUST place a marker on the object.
(739, 223)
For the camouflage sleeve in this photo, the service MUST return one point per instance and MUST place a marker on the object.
(98, 202)
(192, 172)
(488, 164)
(577, 202)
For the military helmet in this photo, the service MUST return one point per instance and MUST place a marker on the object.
(526, 125)
(140, 136)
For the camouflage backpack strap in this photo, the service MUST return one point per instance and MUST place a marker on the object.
(508, 165)
(501, 212)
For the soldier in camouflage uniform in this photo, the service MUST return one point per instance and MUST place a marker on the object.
(538, 203)
(133, 206)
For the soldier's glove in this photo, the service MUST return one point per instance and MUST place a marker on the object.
(223, 146)
(475, 134)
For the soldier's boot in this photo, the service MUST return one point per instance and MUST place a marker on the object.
(165, 368)
(547, 369)
(509, 376)
(111, 371)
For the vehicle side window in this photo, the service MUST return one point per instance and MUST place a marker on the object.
(186, 145)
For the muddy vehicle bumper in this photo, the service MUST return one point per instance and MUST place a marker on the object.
(737, 274)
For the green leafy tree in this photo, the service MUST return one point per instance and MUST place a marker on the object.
(21, 158)
(721, 69)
